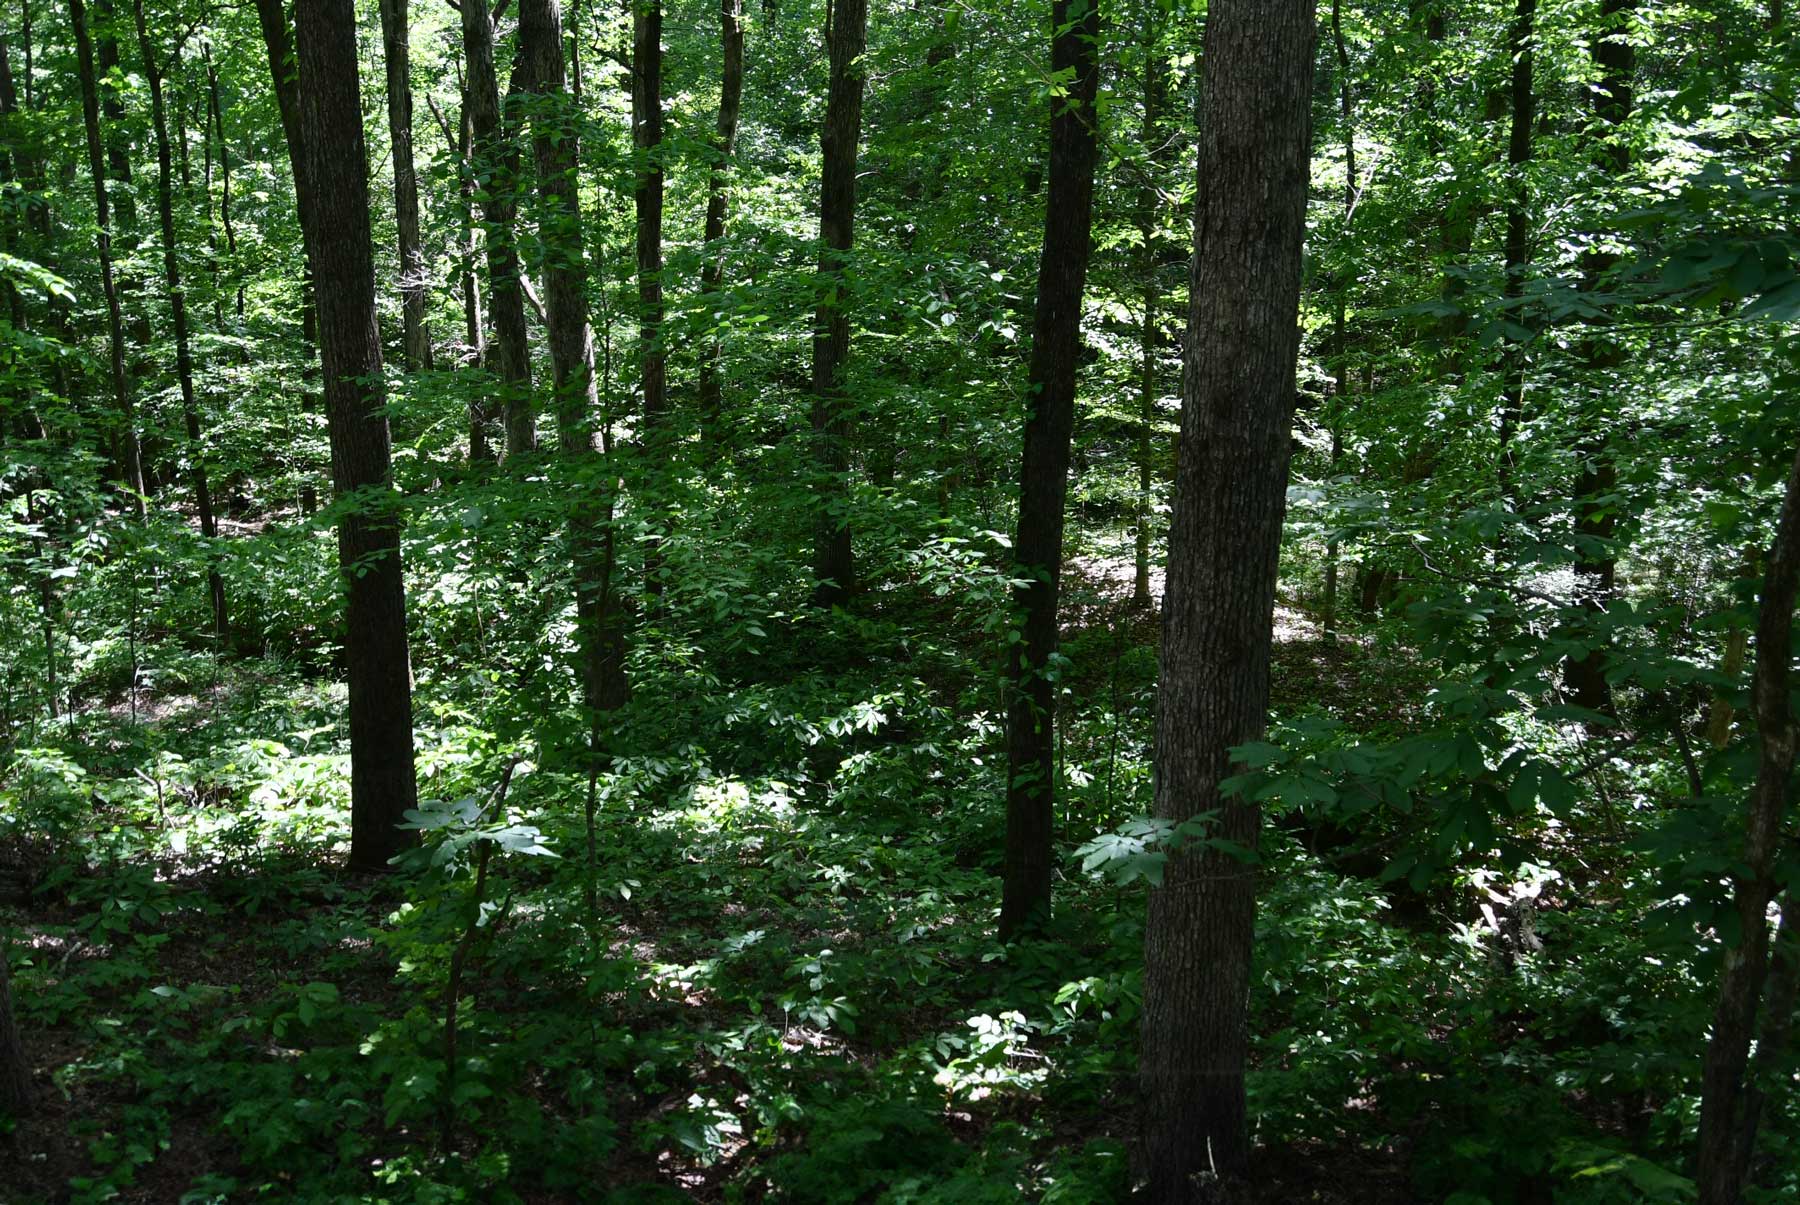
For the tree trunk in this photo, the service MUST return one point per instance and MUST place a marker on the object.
(731, 91)
(1595, 524)
(834, 561)
(1340, 333)
(1044, 468)
(224, 152)
(1518, 247)
(474, 325)
(414, 279)
(1218, 605)
(647, 199)
(382, 783)
(495, 159)
(131, 462)
(184, 355)
(15, 1071)
(599, 634)
(1155, 138)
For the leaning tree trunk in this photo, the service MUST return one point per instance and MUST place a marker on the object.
(1044, 469)
(1218, 607)
(1595, 524)
(731, 91)
(184, 354)
(1731, 1087)
(131, 461)
(414, 278)
(599, 634)
(834, 561)
(382, 783)
(1518, 245)
(495, 158)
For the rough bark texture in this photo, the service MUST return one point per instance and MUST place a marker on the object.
(414, 278)
(1518, 246)
(834, 563)
(495, 162)
(1044, 468)
(1730, 1098)
(131, 463)
(184, 355)
(600, 635)
(1218, 609)
(382, 784)
(731, 91)
(1594, 521)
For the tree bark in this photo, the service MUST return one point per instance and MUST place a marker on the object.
(1340, 327)
(1044, 467)
(131, 463)
(1729, 1092)
(1518, 246)
(1155, 139)
(15, 1070)
(599, 634)
(414, 278)
(1218, 606)
(1595, 524)
(731, 91)
(382, 783)
(647, 200)
(834, 560)
(184, 354)
(495, 160)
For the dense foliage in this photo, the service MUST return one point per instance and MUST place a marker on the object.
(731, 935)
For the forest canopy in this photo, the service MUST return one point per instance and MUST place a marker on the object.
(1075, 601)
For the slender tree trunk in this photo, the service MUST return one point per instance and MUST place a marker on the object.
(1155, 138)
(1595, 525)
(1218, 605)
(15, 1070)
(414, 278)
(834, 561)
(495, 159)
(1044, 469)
(382, 783)
(1518, 246)
(1340, 306)
(184, 355)
(224, 149)
(131, 462)
(647, 199)
(600, 635)
(474, 325)
(1730, 1089)
(731, 91)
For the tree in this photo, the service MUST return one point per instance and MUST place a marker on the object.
(647, 200)
(15, 1069)
(731, 92)
(131, 462)
(495, 162)
(1224, 543)
(846, 36)
(1518, 233)
(382, 783)
(1157, 144)
(1044, 470)
(414, 277)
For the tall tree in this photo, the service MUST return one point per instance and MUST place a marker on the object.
(1044, 469)
(414, 278)
(1157, 145)
(1518, 241)
(647, 200)
(1218, 608)
(1595, 516)
(131, 462)
(15, 1070)
(591, 493)
(184, 353)
(382, 782)
(1340, 304)
(495, 160)
(846, 36)
(731, 92)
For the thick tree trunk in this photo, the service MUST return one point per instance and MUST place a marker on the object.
(382, 783)
(495, 159)
(1595, 563)
(414, 279)
(184, 354)
(1044, 468)
(1518, 244)
(15, 1071)
(131, 463)
(834, 561)
(1730, 1092)
(1218, 607)
(712, 274)
(599, 634)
